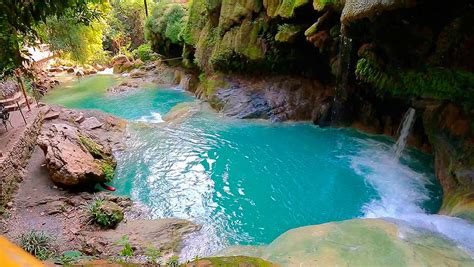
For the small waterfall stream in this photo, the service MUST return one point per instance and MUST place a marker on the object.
(340, 96)
(404, 130)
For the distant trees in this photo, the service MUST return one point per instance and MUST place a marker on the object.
(19, 21)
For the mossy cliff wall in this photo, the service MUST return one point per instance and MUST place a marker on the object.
(402, 53)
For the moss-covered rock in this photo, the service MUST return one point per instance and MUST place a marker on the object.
(451, 135)
(359, 242)
(106, 213)
(282, 8)
(354, 9)
(287, 33)
(231, 261)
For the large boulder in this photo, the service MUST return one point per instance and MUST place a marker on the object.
(121, 63)
(73, 159)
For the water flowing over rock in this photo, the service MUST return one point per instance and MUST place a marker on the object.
(405, 127)
(359, 242)
(73, 159)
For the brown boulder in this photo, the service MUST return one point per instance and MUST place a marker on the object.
(73, 159)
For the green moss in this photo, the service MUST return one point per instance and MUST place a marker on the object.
(211, 84)
(325, 4)
(233, 12)
(195, 23)
(108, 171)
(287, 32)
(283, 8)
(429, 82)
(93, 148)
(105, 213)
(459, 203)
(235, 261)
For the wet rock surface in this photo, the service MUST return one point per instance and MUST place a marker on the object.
(276, 98)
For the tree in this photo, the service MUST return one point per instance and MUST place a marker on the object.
(76, 41)
(18, 19)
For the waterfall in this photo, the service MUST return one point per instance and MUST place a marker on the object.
(340, 96)
(404, 130)
(184, 83)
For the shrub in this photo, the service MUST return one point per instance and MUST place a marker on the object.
(108, 171)
(173, 261)
(70, 257)
(152, 254)
(144, 52)
(105, 213)
(163, 28)
(38, 244)
(127, 250)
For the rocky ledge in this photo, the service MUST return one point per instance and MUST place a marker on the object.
(77, 147)
(57, 196)
(277, 98)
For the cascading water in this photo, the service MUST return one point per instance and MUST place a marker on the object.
(404, 130)
(247, 182)
(340, 96)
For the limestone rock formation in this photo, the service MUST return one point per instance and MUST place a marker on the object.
(452, 136)
(358, 242)
(275, 98)
(73, 159)
(355, 9)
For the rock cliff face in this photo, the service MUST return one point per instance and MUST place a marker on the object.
(275, 98)
(398, 53)
(452, 137)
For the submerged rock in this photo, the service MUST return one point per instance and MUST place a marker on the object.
(74, 159)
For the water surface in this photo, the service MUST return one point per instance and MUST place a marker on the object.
(248, 181)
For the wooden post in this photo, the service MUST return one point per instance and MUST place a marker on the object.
(22, 86)
(21, 112)
(146, 8)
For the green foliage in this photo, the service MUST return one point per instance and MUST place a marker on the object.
(70, 257)
(429, 82)
(173, 261)
(195, 23)
(287, 32)
(91, 146)
(144, 52)
(125, 22)
(105, 213)
(127, 250)
(284, 8)
(324, 4)
(38, 244)
(77, 42)
(109, 171)
(164, 26)
(153, 254)
(19, 19)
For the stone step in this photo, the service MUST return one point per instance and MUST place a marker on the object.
(22, 104)
(12, 100)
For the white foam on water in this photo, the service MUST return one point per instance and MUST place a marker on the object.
(155, 117)
(402, 192)
(107, 71)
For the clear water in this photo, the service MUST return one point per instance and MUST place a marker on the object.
(248, 181)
